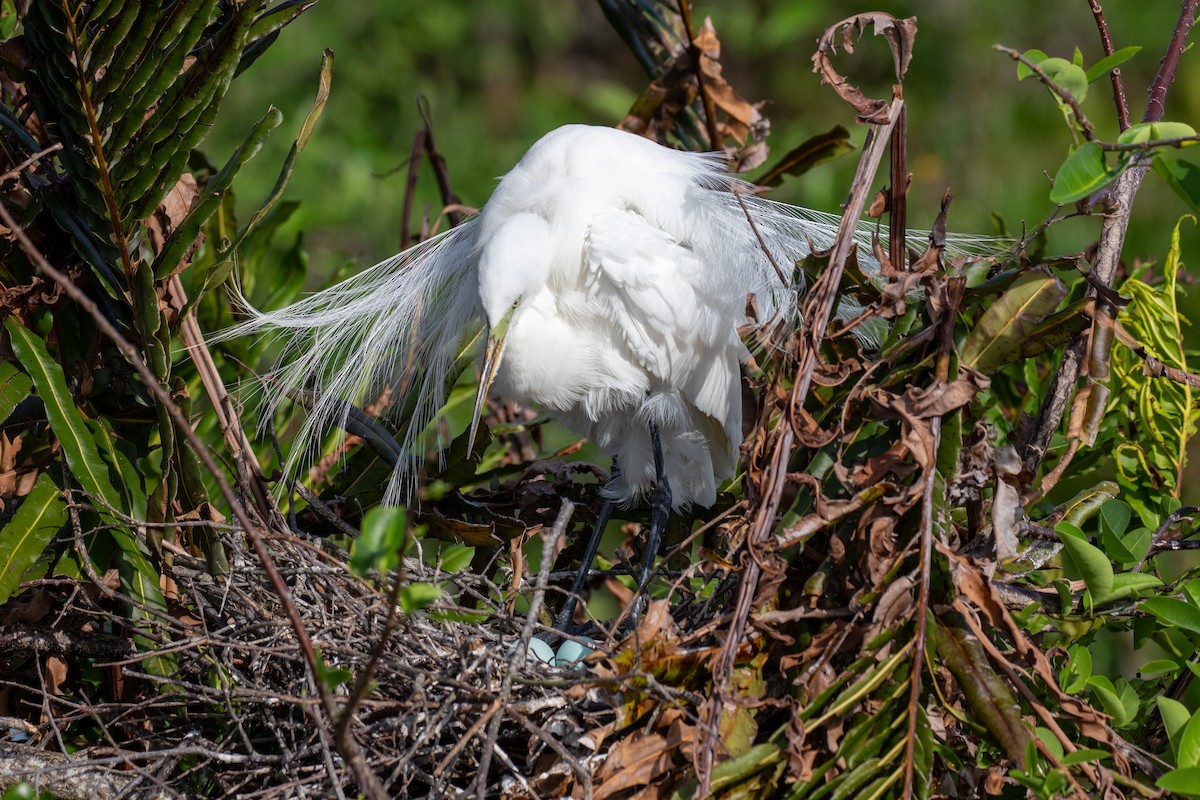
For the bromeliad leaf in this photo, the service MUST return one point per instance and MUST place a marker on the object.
(15, 386)
(65, 418)
(42, 515)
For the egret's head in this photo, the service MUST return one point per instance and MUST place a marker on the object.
(514, 264)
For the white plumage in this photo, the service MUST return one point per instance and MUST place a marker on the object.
(612, 274)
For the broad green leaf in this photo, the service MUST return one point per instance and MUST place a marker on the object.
(41, 515)
(1183, 177)
(129, 483)
(1115, 516)
(1089, 562)
(456, 557)
(378, 545)
(1128, 584)
(1079, 668)
(1085, 171)
(1157, 131)
(1158, 666)
(1175, 717)
(15, 386)
(1184, 782)
(65, 418)
(1080, 756)
(1035, 56)
(1005, 326)
(1104, 691)
(1109, 63)
(1188, 751)
(1066, 75)
(416, 596)
(1055, 330)
(1174, 612)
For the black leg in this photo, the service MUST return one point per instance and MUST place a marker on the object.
(660, 511)
(562, 622)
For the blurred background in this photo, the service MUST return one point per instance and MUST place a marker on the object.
(500, 73)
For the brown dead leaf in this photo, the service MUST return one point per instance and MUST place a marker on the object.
(631, 763)
(899, 33)
(171, 211)
(56, 674)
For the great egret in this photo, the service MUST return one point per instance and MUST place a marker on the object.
(611, 274)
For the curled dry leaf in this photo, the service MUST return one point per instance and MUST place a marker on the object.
(899, 34)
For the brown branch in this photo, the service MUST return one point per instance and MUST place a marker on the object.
(1118, 86)
(1156, 105)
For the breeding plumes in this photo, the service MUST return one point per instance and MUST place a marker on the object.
(609, 276)
(612, 273)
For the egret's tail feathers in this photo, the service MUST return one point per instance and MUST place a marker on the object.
(396, 328)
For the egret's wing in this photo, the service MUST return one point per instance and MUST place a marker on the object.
(398, 325)
(659, 299)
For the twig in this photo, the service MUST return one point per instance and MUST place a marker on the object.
(38, 156)
(1118, 86)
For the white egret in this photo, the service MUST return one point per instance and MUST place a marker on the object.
(612, 275)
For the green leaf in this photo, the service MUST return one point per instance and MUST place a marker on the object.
(1128, 584)
(330, 677)
(379, 544)
(41, 515)
(1005, 326)
(1066, 75)
(1183, 177)
(1035, 56)
(129, 482)
(1175, 718)
(1104, 691)
(1156, 667)
(1079, 668)
(15, 386)
(456, 557)
(1174, 612)
(1085, 171)
(1188, 752)
(1157, 131)
(1080, 756)
(1114, 517)
(1109, 63)
(1089, 563)
(416, 596)
(1184, 781)
(66, 421)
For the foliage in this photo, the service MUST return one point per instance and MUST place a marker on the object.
(914, 589)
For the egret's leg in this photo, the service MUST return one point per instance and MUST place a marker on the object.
(660, 511)
(563, 620)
